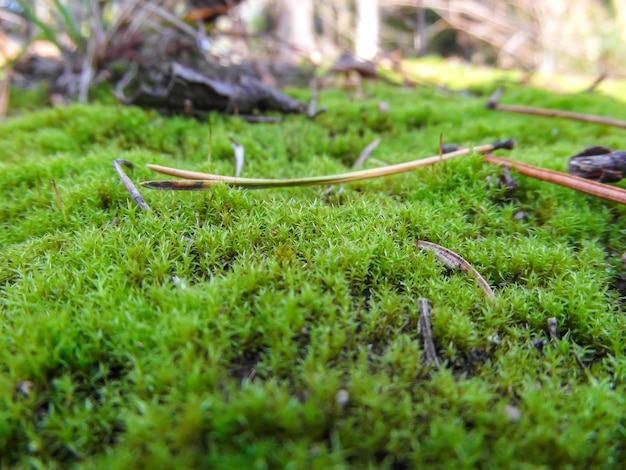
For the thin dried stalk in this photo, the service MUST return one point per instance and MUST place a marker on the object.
(603, 191)
(493, 104)
(358, 163)
(455, 261)
(203, 181)
(425, 331)
(128, 184)
(57, 196)
(238, 149)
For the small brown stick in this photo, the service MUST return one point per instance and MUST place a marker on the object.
(312, 111)
(238, 149)
(453, 261)
(128, 184)
(57, 195)
(603, 191)
(425, 332)
(595, 83)
(493, 104)
(358, 163)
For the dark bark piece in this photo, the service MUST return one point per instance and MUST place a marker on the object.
(598, 164)
(184, 85)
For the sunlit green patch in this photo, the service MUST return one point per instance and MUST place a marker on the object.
(272, 329)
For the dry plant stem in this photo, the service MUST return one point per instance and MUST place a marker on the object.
(595, 83)
(455, 261)
(57, 195)
(358, 163)
(493, 104)
(203, 181)
(425, 331)
(239, 160)
(312, 111)
(603, 191)
(128, 184)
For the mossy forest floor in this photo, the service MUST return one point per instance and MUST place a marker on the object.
(278, 329)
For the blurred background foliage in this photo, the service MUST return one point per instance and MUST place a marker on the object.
(76, 44)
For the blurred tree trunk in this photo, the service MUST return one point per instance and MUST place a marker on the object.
(420, 40)
(294, 27)
(367, 19)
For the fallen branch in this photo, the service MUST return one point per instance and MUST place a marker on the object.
(603, 191)
(493, 104)
(455, 261)
(425, 332)
(128, 184)
(204, 181)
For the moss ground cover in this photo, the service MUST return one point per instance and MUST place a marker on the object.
(271, 329)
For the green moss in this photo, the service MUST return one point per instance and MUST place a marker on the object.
(220, 329)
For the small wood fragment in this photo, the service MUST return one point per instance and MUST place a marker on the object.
(454, 261)
(425, 332)
(312, 110)
(128, 184)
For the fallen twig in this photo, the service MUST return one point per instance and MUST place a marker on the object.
(454, 261)
(493, 104)
(603, 191)
(238, 149)
(312, 111)
(128, 184)
(358, 163)
(595, 83)
(425, 332)
(203, 181)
